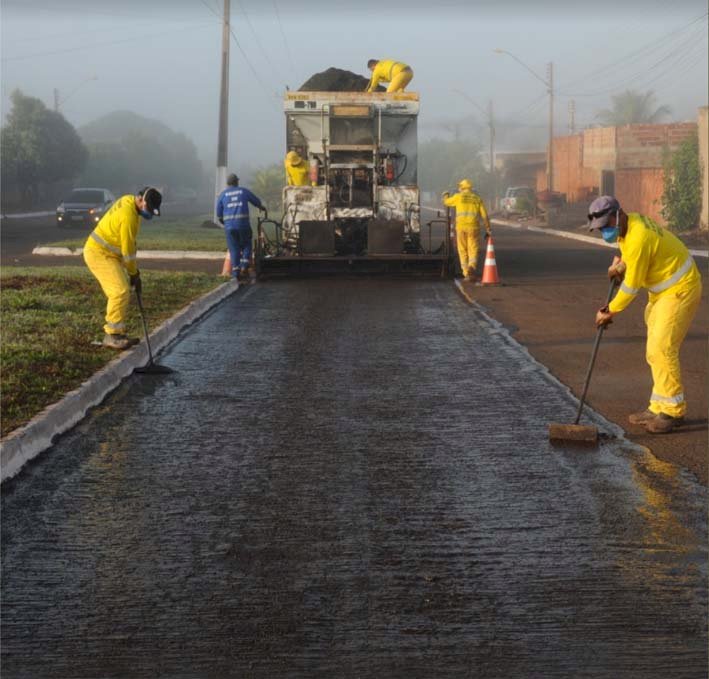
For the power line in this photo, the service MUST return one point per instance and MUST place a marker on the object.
(258, 42)
(651, 48)
(63, 9)
(243, 54)
(670, 61)
(151, 36)
(283, 35)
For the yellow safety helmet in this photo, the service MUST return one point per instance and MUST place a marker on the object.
(293, 158)
(465, 184)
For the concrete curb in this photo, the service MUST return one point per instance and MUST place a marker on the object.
(141, 254)
(25, 443)
(563, 234)
(575, 236)
(27, 215)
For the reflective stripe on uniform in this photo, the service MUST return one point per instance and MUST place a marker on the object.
(669, 282)
(116, 326)
(104, 244)
(628, 290)
(128, 258)
(466, 214)
(675, 400)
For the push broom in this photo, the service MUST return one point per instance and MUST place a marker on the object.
(152, 368)
(581, 433)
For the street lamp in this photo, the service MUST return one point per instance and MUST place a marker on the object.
(58, 102)
(491, 125)
(549, 84)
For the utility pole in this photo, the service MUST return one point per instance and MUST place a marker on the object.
(572, 117)
(550, 155)
(493, 190)
(223, 138)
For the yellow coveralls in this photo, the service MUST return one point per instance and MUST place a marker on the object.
(657, 260)
(109, 253)
(296, 175)
(395, 73)
(469, 208)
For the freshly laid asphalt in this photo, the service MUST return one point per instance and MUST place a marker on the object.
(349, 478)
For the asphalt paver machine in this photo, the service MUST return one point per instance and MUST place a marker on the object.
(360, 210)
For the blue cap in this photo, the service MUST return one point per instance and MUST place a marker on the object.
(600, 211)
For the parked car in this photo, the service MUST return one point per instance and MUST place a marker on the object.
(519, 199)
(84, 206)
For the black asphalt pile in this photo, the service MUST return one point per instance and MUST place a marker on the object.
(336, 80)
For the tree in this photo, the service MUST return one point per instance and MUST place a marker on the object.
(268, 184)
(682, 196)
(38, 146)
(442, 164)
(633, 107)
(128, 151)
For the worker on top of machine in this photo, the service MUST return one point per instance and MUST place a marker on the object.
(652, 258)
(233, 213)
(110, 254)
(397, 74)
(296, 169)
(469, 211)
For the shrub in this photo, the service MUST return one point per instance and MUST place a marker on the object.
(682, 196)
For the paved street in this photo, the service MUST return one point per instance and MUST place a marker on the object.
(552, 289)
(349, 478)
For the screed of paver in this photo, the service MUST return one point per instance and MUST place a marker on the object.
(348, 478)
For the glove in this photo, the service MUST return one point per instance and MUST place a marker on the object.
(617, 270)
(136, 283)
(488, 234)
(604, 317)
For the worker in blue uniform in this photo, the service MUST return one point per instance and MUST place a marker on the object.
(233, 213)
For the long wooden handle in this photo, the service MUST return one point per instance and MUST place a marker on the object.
(594, 353)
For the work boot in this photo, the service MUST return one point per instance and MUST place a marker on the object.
(663, 424)
(641, 418)
(119, 341)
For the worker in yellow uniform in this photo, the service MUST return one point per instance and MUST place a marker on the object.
(655, 259)
(296, 169)
(110, 254)
(395, 73)
(469, 211)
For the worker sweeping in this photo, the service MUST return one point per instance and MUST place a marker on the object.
(397, 74)
(233, 213)
(469, 211)
(110, 254)
(296, 169)
(655, 259)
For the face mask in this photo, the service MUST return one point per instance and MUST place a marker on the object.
(145, 214)
(610, 234)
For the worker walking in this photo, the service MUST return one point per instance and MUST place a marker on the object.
(397, 74)
(469, 210)
(110, 254)
(233, 213)
(296, 169)
(652, 258)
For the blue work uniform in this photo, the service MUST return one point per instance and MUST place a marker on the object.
(233, 212)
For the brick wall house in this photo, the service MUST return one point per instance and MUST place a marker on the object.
(623, 161)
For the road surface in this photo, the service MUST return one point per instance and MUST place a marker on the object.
(349, 478)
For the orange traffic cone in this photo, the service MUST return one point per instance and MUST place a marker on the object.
(226, 269)
(490, 276)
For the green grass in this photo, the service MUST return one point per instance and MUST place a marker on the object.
(186, 233)
(50, 316)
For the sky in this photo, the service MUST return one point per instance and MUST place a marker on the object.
(162, 59)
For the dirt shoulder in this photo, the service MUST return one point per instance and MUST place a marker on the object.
(552, 288)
